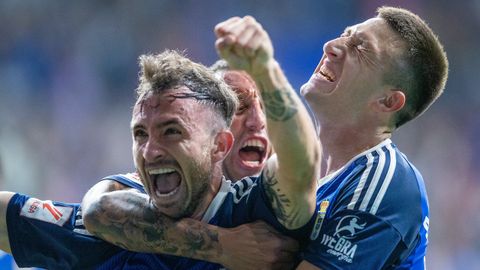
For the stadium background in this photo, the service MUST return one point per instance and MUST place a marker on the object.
(68, 70)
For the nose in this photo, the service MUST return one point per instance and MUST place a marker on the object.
(255, 118)
(335, 49)
(153, 151)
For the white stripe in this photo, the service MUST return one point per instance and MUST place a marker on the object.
(217, 200)
(386, 181)
(78, 222)
(374, 183)
(81, 231)
(362, 181)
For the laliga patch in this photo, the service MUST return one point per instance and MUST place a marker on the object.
(46, 211)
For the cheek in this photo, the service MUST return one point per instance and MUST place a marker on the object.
(136, 155)
(237, 125)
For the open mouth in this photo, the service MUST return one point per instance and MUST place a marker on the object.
(327, 74)
(166, 181)
(253, 152)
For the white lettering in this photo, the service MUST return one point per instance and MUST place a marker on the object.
(331, 242)
(351, 252)
(345, 247)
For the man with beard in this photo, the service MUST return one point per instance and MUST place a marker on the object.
(180, 137)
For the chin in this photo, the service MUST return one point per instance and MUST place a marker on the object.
(304, 89)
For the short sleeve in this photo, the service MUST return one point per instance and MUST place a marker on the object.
(350, 239)
(42, 234)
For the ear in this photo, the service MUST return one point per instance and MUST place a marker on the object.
(223, 145)
(392, 101)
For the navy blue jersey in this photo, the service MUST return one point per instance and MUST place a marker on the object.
(372, 214)
(42, 241)
(51, 235)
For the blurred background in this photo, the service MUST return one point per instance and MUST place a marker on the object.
(68, 70)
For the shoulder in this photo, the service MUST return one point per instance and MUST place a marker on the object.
(131, 180)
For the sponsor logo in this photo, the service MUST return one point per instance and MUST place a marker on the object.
(347, 227)
(339, 243)
(46, 211)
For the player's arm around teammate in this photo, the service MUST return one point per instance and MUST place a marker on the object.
(133, 223)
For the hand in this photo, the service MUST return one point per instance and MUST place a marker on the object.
(244, 44)
(257, 246)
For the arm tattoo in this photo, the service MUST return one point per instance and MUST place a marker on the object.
(279, 105)
(283, 208)
(139, 227)
(278, 201)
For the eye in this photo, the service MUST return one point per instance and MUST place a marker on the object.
(172, 131)
(354, 43)
(241, 110)
(139, 134)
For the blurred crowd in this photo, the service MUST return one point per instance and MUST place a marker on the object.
(68, 70)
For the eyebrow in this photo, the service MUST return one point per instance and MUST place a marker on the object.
(160, 125)
(347, 29)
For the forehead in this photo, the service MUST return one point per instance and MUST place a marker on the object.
(164, 105)
(374, 28)
(242, 84)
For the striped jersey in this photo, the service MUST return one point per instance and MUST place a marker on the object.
(51, 234)
(372, 214)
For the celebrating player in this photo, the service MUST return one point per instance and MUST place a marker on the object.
(375, 77)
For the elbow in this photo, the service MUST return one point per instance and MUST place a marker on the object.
(93, 211)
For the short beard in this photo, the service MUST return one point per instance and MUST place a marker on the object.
(203, 179)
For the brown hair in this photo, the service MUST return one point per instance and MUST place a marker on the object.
(240, 81)
(172, 69)
(422, 69)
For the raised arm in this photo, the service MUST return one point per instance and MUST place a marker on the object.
(126, 218)
(290, 179)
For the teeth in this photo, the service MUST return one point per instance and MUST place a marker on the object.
(161, 171)
(255, 143)
(252, 163)
(327, 73)
(167, 194)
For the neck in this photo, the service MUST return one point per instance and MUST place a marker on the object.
(211, 191)
(341, 143)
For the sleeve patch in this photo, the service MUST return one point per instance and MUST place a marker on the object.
(46, 211)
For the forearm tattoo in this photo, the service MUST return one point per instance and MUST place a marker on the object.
(141, 228)
(279, 105)
(278, 200)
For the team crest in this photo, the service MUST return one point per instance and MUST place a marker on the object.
(320, 216)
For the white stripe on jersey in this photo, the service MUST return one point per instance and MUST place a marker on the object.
(386, 181)
(362, 181)
(374, 182)
(82, 231)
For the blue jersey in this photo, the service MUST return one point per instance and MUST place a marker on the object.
(372, 214)
(60, 241)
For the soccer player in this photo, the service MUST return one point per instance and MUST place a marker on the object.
(179, 128)
(251, 147)
(374, 78)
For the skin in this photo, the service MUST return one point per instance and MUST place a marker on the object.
(144, 223)
(169, 136)
(291, 176)
(251, 146)
(289, 180)
(162, 133)
(355, 109)
(5, 197)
